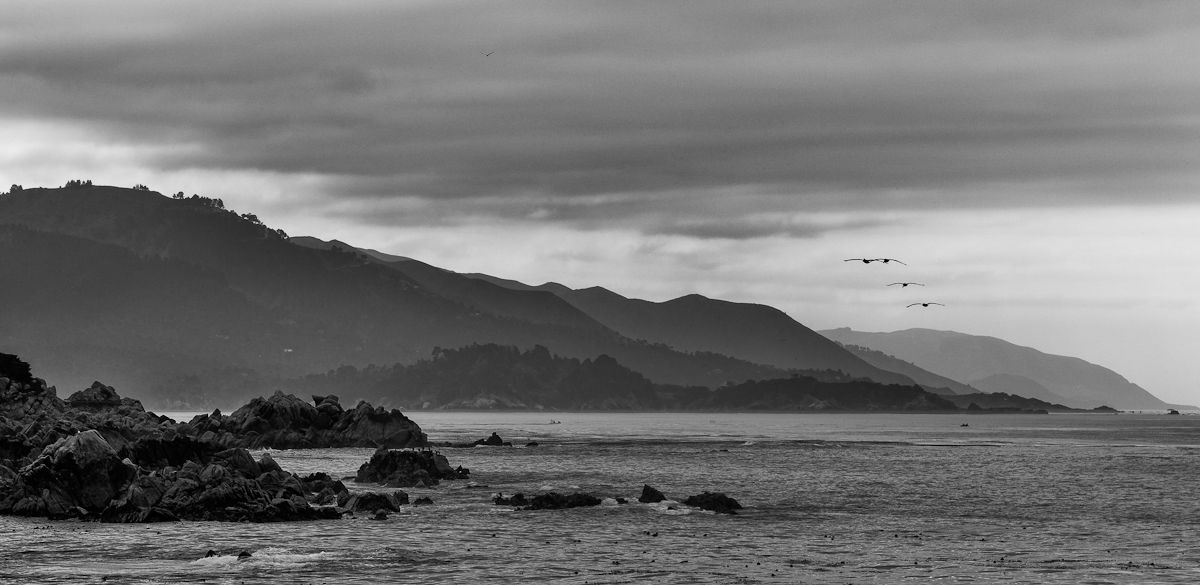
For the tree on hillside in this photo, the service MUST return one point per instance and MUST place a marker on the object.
(15, 369)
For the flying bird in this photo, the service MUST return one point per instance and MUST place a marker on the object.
(925, 304)
(886, 260)
(486, 54)
(905, 284)
(864, 260)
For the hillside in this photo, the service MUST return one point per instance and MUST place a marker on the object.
(972, 358)
(1019, 385)
(755, 333)
(146, 292)
(493, 377)
(928, 380)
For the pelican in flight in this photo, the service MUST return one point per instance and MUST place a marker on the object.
(864, 260)
(925, 304)
(905, 284)
(886, 260)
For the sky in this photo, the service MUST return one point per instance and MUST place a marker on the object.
(1035, 164)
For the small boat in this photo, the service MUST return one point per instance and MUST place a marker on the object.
(555, 422)
(964, 425)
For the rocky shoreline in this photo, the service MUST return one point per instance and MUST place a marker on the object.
(98, 456)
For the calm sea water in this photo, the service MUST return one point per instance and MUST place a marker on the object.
(829, 499)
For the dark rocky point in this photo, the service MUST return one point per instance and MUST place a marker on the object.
(98, 456)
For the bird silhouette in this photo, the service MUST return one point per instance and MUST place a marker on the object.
(925, 304)
(905, 284)
(486, 54)
(864, 260)
(886, 260)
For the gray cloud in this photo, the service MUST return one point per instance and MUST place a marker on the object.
(649, 112)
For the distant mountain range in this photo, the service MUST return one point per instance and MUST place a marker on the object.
(170, 296)
(994, 365)
(928, 380)
(150, 293)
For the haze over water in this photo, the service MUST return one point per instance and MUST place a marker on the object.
(828, 499)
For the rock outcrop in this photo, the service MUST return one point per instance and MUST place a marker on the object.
(83, 476)
(408, 469)
(99, 456)
(547, 501)
(650, 495)
(284, 421)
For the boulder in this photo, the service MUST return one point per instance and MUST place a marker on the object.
(371, 501)
(281, 484)
(85, 467)
(239, 460)
(716, 502)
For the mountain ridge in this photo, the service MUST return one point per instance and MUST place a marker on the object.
(967, 358)
(256, 300)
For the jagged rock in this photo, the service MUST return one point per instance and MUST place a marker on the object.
(716, 502)
(239, 460)
(319, 482)
(285, 421)
(423, 501)
(492, 441)
(97, 396)
(267, 463)
(282, 484)
(100, 456)
(650, 495)
(85, 467)
(407, 469)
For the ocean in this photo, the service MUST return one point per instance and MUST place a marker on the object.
(828, 498)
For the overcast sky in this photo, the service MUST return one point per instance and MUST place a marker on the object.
(1036, 164)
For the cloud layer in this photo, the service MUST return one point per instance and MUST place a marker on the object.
(780, 107)
(1038, 160)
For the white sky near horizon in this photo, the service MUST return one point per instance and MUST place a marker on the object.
(1035, 164)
